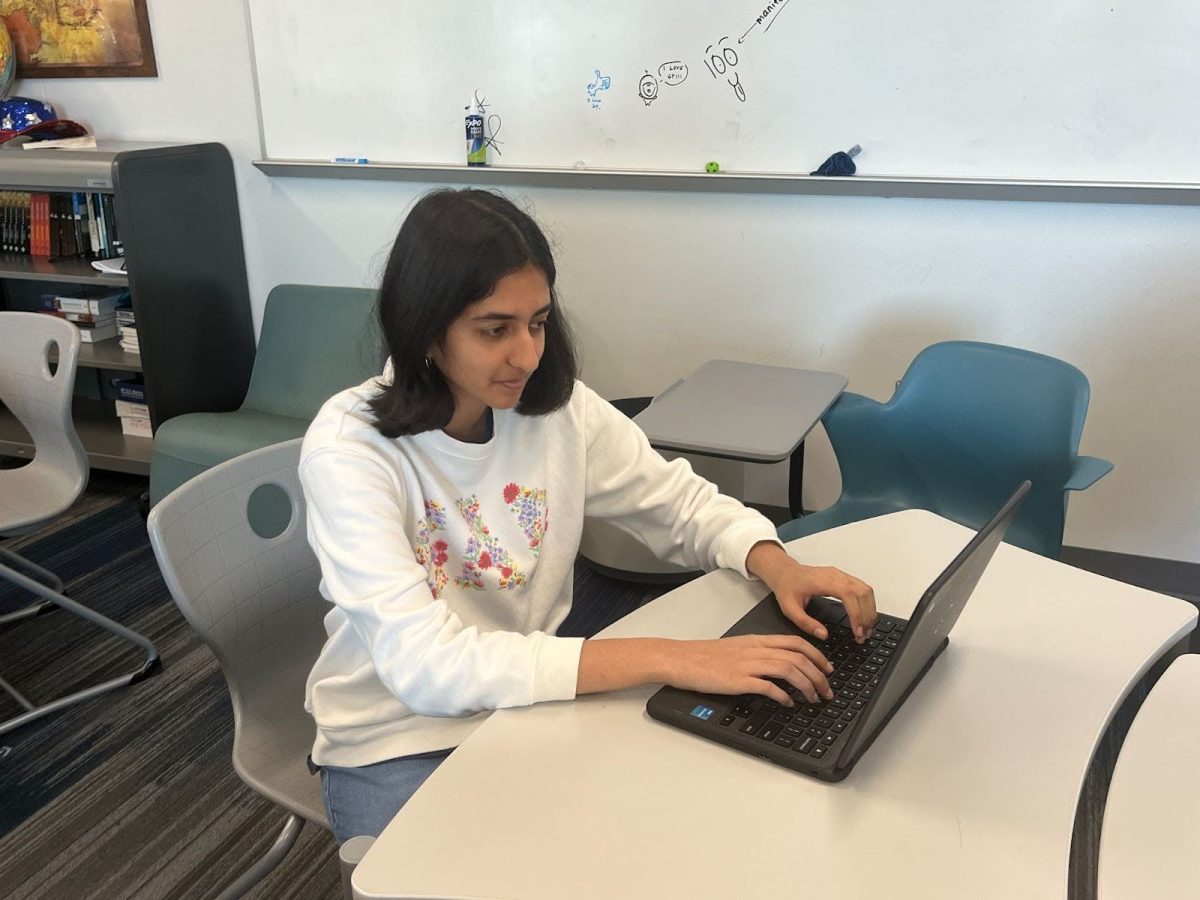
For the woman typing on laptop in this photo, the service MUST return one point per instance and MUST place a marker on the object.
(446, 502)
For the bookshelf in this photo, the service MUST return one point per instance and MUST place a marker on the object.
(177, 209)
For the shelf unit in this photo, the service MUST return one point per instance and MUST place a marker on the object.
(177, 210)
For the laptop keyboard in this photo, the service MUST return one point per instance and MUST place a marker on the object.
(813, 729)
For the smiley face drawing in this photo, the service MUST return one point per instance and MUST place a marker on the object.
(648, 88)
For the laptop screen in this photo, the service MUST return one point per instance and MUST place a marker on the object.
(934, 616)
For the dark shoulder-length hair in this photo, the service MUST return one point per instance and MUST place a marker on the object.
(452, 249)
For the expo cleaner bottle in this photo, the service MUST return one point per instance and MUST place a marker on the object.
(476, 146)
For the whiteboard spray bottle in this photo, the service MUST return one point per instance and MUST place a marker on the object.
(476, 147)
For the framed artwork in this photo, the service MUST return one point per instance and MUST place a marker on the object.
(80, 38)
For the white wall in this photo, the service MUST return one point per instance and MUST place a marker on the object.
(657, 283)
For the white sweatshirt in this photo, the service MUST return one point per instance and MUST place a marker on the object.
(450, 565)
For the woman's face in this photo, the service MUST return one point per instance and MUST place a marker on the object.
(490, 350)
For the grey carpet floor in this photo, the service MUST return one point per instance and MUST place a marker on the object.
(132, 795)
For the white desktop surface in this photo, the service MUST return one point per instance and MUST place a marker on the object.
(740, 410)
(1151, 827)
(969, 791)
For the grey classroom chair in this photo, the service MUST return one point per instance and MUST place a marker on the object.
(35, 494)
(232, 546)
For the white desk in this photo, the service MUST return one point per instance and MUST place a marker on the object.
(1152, 817)
(765, 411)
(743, 411)
(728, 410)
(962, 795)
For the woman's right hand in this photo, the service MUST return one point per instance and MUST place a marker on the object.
(746, 663)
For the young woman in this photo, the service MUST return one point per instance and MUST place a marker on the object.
(446, 502)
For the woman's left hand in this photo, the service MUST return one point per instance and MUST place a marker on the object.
(795, 585)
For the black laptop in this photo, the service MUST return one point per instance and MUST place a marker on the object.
(869, 681)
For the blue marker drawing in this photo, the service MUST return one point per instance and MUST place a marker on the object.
(353, 160)
(602, 83)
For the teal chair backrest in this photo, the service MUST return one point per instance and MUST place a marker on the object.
(314, 342)
(967, 424)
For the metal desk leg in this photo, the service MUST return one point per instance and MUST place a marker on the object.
(796, 482)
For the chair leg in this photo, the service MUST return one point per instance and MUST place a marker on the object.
(151, 664)
(15, 694)
(350, 854)
(28, 612)
(268, 861)
(47, 578)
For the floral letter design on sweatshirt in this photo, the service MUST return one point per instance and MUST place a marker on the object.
(433, 557)
(530, 506)
(484, 553)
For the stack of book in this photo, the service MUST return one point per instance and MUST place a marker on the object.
(128, 327)
(92, 309)
(132, 408)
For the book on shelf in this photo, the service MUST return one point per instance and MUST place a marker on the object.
(67, 246)
(81, 318)
(136, 427)
(55, 225)
(79, 226)
(43, 224)
(95, 299)
(92, 333)
(127, 327)
(108, 217)
(91, 320)
(101, 240)
(93, 228)
(129, 340)
(14, 219)
(128, 409)
(39, 229)
(131, 389)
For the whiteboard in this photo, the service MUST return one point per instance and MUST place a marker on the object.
(1038, 89)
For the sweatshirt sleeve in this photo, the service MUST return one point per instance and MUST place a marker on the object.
(678, 515)
(421, 650)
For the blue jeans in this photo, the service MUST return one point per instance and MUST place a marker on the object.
(362, 800)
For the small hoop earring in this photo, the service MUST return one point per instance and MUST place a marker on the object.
(428, 363)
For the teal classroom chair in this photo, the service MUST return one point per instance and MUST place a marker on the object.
(314, 342)
(967, 423)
